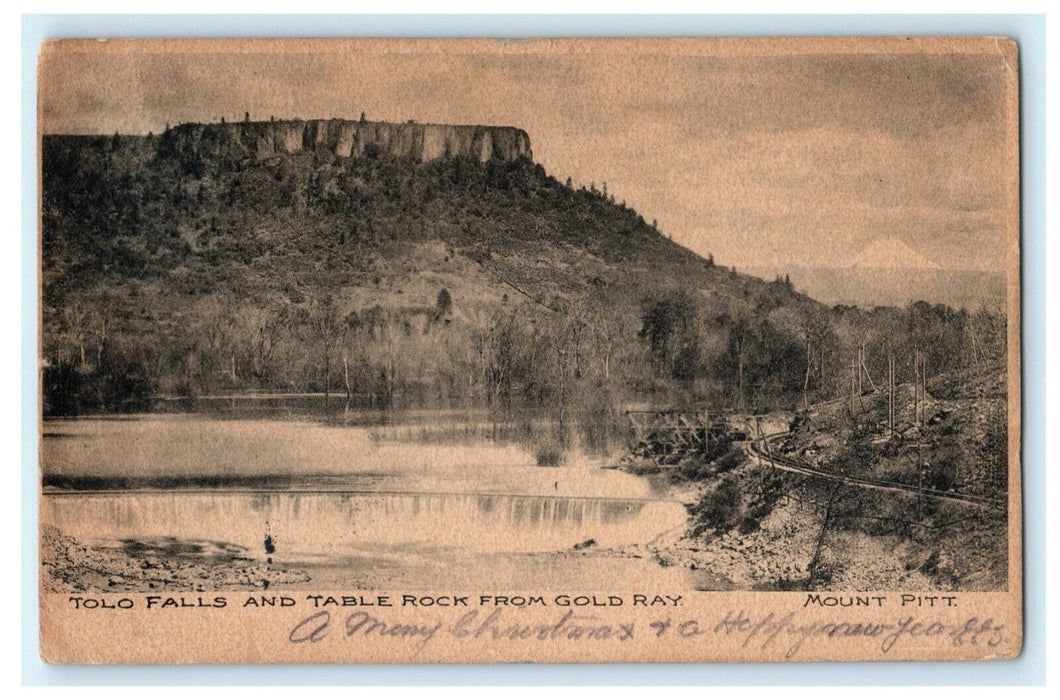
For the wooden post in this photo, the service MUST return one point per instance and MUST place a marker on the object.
(890, 393)
(820, 365)
(811, 570)
(102, 340)
(861, 363)
(806, 380)
(916, 386)
(978, 356)
(923, 384)
(853, 384)
(390, 375)
(346, 381)
(706, 432)
(920, 484)
(758, 431)
(865, 369)
(769, 452)
(739, 363)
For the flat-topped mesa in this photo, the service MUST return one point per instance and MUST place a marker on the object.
(351, 139)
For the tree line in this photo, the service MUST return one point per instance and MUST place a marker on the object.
(170, 269)
(670, 347)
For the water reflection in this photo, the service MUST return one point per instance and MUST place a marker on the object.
(307, 527)
(355, 509)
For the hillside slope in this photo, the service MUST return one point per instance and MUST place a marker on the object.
(171, 245)
(198, 209)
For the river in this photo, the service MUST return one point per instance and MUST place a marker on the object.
(351, 505)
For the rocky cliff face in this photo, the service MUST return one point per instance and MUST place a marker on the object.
(350, 139)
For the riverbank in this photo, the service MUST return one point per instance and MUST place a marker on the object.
(148, 503)
(69, 565)
(775, 551)
(507, 521)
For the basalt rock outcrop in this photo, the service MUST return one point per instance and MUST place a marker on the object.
(352, 139)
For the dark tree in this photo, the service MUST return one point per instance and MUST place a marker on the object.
(669, 325)
(443, 305)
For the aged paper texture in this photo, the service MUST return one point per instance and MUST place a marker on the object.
(552, 350)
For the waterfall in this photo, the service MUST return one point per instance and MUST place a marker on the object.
(320, 525)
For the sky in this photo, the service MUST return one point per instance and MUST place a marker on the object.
(790, 160)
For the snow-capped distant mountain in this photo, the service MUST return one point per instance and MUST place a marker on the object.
(892, 254)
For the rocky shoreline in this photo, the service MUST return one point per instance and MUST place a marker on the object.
(777, 553)
(70, 566)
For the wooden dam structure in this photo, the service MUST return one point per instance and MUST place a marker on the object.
(668, 436)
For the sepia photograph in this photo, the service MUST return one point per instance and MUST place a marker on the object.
(527, 319)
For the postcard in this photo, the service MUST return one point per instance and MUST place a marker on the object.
(557, 350)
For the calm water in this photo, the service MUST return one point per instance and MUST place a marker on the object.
(359, 510)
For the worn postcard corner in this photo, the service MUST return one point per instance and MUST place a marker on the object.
(609, 350)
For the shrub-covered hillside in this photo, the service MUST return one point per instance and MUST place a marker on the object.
(189, 264)
(198, 271)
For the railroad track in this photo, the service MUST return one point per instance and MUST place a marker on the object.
(759, 449)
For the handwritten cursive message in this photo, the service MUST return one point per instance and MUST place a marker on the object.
(768, 631)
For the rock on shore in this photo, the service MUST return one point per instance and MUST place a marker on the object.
(67, 565)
